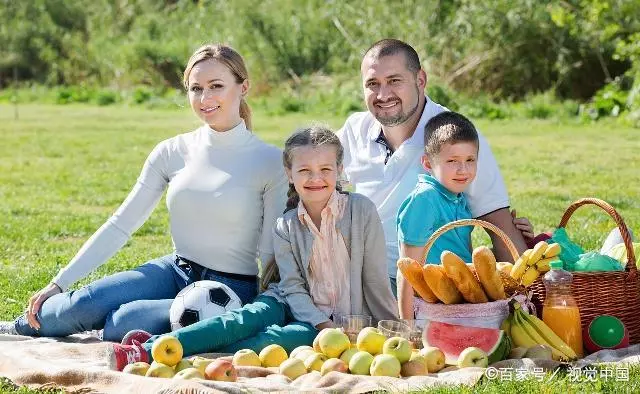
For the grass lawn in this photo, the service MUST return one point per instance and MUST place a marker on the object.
(65, 169)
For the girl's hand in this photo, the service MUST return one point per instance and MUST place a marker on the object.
(523, 225)
(36, 300)
(327, 324)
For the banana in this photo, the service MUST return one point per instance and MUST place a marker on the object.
(521, 265)
(549, 336)
(529, 276)
(552, 251)
(533, 334)
(543, 265)
(519, 336)
(506, 324)
(537, 252)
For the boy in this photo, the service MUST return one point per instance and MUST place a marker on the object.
(450, 158)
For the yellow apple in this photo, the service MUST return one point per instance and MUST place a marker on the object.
(292, 368)
(183, 364)
(334, 364)
(189, 373)
(246, 358)
(303, 354)
(333, 342)
(398, 347)
(200, 363)
(316, 340)
(314, 362)
(347, 354)
(360, 363)
(295, 351)
(370, 340)
(434, 358)
(272, 356)
(385, 365)
(473, 357)
(167, 350)
(160, 370)
(416, 366)
(139, 368)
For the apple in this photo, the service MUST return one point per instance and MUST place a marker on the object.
(167, 350)
(139, 368)
(416, 366)
(398, 347)
(333, 364)
(183, 364)
(297, 350)
(292, 368)
(370, 340)
(473, 357)
(316, 340)
(360, 363)
(189, 373)
(333, 342)
(246, 358)
(221, 370)
(539, 352)
(347, 354)
(272, 356)
(200, 363)
(434, 358)
(304, 353)
(314, 362)
(160, 370)
(385, 365)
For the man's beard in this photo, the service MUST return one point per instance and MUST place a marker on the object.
(399, 118)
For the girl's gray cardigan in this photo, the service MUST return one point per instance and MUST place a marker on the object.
(370, 289)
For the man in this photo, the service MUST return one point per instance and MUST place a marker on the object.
(383, 147)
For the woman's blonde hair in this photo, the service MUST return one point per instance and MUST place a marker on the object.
(232, 60)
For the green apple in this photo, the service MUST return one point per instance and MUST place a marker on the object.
(292, 368)
(246, 358)
(434, 358)
(370, 340)
(347, 354)
(183, 364)
(200, 363)
(473, 357)
(314, 362)
(189, 373)
(139, 368)
(333, 342)
(167, 350)
(160, 370)
(385, 365)
(398, 347)
(295, 351)
(334, 364)
(272, 356)
(360, 363)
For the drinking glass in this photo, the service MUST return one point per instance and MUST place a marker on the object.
(352, 324)
(394, 328)
(416, 327)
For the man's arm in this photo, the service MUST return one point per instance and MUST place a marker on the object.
(504, 221)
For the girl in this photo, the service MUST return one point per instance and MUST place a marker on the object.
(330, 252)
(225, 189)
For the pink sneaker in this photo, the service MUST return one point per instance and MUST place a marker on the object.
(120, 356)
(139, 335)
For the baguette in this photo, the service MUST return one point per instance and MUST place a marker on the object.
(485, 263)
(412, 272)
(440, 284)
(465, 281)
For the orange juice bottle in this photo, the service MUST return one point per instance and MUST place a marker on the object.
(560, 311)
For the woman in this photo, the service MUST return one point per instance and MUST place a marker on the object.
(225, 189)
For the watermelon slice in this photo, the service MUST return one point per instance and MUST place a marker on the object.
(453, 339)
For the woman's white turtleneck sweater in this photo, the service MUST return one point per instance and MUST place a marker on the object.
(225, 191)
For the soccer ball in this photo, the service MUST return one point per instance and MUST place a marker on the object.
(201, 300)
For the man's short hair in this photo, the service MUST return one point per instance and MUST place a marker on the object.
(447, 128)
(391, 46)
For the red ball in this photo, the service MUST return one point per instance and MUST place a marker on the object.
(605, 332)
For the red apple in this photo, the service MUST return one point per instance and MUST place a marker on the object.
(222, 370)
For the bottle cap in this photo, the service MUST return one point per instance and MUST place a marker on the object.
(556, 265)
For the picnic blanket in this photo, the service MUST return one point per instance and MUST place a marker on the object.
(78, 364)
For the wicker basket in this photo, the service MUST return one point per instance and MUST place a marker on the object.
(597, 293)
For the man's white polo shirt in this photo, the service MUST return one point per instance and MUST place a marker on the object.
(387, 185)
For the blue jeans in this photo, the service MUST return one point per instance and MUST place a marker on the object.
(135, 299)
(254, 326)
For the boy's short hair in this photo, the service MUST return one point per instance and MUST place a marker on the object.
(448, 128)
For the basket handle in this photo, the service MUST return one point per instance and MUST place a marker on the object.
(469, 222)
(624, 231)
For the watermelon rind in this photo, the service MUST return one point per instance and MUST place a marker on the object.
(452, 339)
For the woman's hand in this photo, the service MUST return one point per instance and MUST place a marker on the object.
(327, 324)
(36, 300)
(523, 225)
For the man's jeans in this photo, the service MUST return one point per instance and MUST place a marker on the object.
(135, 299)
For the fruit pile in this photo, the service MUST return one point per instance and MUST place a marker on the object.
(454, 282)
(529, 331)
(534, 262)
(168, 363)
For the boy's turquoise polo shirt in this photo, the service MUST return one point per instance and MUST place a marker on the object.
(429, 207)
